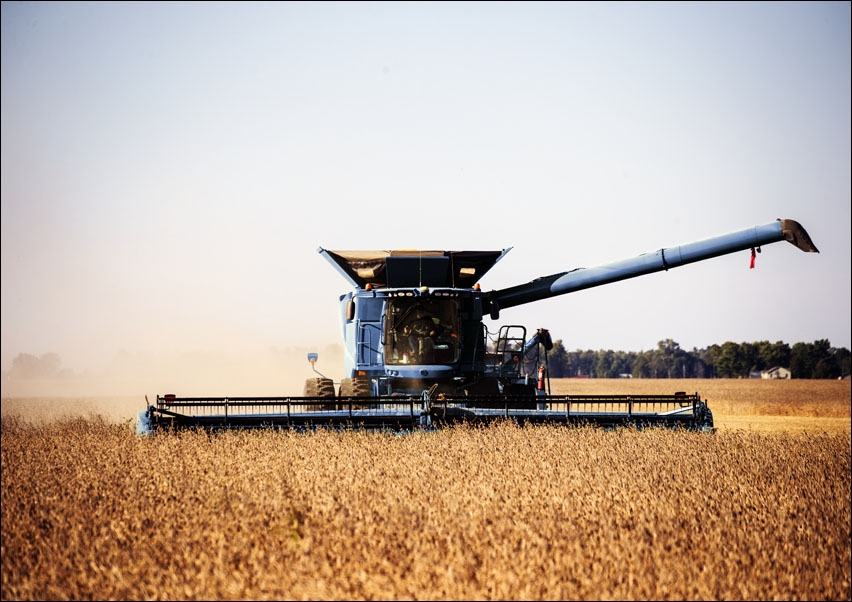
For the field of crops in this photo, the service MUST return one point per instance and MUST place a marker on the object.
(92, 511)
(786, 405)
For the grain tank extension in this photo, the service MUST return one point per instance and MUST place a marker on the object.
(418, 352)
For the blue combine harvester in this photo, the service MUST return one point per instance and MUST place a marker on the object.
(417, 352)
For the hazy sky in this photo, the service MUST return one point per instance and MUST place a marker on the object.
(170, 169)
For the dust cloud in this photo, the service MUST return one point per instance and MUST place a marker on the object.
(119, 392)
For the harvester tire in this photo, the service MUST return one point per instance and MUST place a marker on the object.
(319, 387)
(355, 387)
(522, 397)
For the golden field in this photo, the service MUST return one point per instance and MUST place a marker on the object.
(758, 510)
(750, 404)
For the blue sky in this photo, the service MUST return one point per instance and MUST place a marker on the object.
(170, 169)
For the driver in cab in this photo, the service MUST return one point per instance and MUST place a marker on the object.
(421, 329)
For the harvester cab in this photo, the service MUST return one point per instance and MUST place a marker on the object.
(417, 351)
(414, 320)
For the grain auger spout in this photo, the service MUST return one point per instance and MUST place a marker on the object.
(417, 351)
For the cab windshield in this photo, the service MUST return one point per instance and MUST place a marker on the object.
(421, 331)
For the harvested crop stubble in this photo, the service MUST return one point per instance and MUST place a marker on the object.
(92, 511)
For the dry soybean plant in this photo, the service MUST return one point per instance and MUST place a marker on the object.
(92, 511)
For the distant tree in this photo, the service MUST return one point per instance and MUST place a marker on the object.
(825, 365)
(557, 360)
(803, 360)
(26, 366)
(842, 357)
(623, 362)
(641, 367)
(707, 358)
(588, 359)
(582, 363)
(572, 364)
(681, 366)
(728, 362)
(661, 361)
(605, 363)
(773, 354)
(749, 358)
(665, 357)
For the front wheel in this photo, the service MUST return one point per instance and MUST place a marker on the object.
(322, 388)
(520, 397)
(319, 387)
(355, 387)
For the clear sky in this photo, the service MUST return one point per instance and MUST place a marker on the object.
(170, 169)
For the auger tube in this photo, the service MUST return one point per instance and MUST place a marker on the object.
(648, 263)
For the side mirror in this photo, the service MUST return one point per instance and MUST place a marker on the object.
(495, 310)
(350, 310)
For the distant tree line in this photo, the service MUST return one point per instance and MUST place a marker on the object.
(728, 360)
(26, 366)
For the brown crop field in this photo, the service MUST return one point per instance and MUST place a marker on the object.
(750, 404)
(757, 510)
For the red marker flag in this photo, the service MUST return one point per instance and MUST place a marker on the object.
(753, 255)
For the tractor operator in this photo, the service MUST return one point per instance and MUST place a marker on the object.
(421, 329)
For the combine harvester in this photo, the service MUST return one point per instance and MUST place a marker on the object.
(418, 355)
